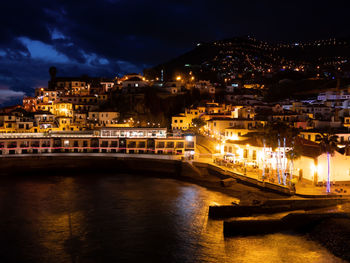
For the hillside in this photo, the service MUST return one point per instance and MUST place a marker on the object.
(250, 59)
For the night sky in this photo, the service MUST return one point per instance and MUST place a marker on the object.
(112, 37)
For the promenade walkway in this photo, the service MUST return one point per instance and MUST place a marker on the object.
(302, 188)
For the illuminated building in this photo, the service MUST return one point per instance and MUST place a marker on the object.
(103, 118)
(104, 140)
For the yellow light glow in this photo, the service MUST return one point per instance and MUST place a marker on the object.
(313, 169)
(234, 137)
(178, 78)
(240, 152)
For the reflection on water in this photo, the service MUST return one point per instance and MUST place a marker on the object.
(124, 218)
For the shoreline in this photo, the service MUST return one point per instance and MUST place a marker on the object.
(130, 164)
(71, 166)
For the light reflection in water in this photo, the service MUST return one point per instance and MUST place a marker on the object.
(125, 218)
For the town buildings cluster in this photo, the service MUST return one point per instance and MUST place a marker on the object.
(70, 115)
(238, 127)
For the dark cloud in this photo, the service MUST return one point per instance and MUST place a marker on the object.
(107, 37)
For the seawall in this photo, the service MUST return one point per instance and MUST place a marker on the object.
(163, 166)
(246, 180)
(64, 164)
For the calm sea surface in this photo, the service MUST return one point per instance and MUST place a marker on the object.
(128, 218)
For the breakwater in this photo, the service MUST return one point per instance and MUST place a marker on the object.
(273, 206)
(292, 221)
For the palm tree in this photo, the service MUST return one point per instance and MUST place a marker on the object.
(272, 134)
(328, 143)
(293, 154)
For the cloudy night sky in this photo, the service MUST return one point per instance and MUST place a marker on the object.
(113, 37)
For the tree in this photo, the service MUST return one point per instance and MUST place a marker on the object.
(293, 154)
(275, 133)
(328, 143)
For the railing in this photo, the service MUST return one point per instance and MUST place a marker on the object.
(176, 151)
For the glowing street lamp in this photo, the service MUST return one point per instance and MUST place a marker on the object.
(178, 78)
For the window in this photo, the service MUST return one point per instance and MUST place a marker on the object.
(245, 154)
(170, 145)
(189, 144)
(175, 121)
(160, 145)
(12, 145)
(45, 144)
(131, 144)
(179, 145)
(104, 144)
(181, 121)
(35, 144)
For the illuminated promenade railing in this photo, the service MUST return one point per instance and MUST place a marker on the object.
(107, 150)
